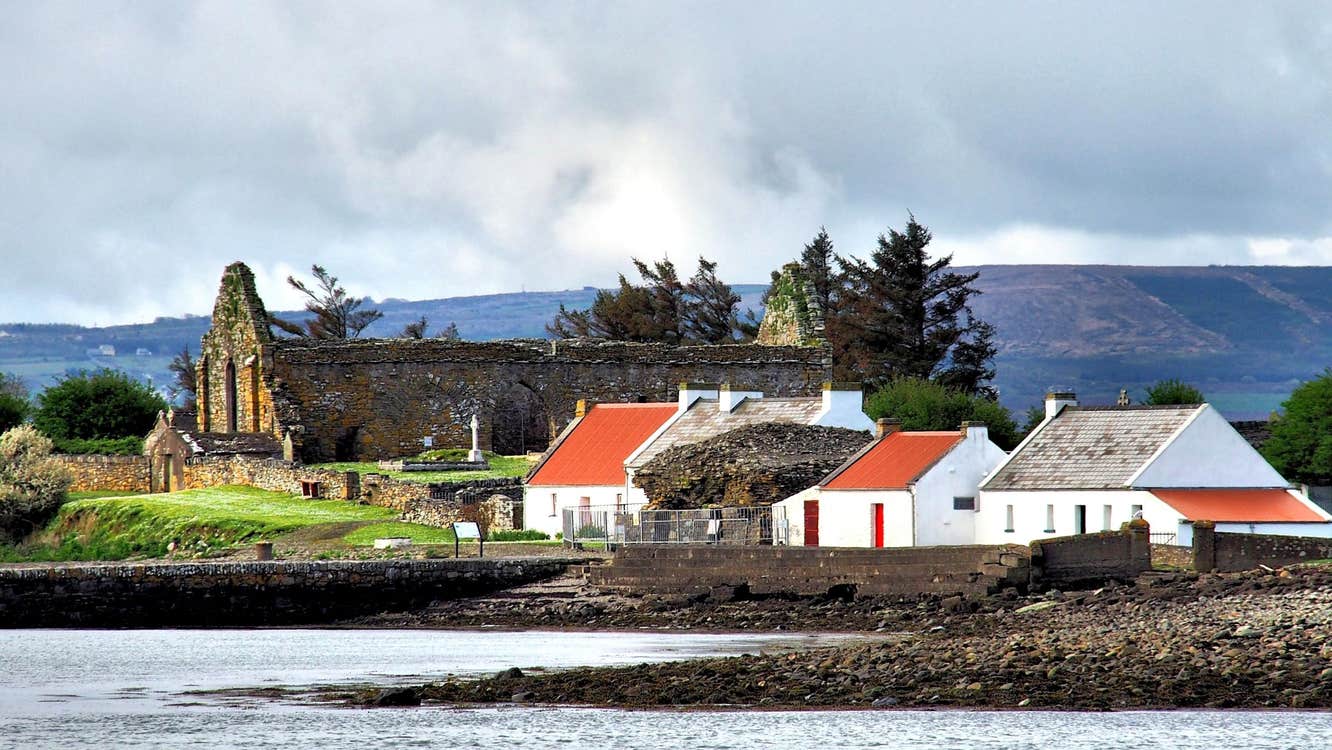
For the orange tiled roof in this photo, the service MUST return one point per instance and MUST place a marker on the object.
(893, 462)
(1244, 505)
(593, 452)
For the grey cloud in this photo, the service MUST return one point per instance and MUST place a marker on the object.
(429, 149)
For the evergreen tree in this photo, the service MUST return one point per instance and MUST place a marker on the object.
(97, 405)
(710, 311)
(669, 303)
(1301, 443)
(816, 262)
(902, 314)
(1173, 392)
(415, 329)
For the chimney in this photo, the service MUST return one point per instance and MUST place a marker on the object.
(885, 427)
(1056, 400)
(582, 407)
(691, 392)
(731, 395)
(975, 431)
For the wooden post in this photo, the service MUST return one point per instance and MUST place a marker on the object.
(1204, 546)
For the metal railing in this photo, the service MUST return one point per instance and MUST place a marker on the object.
(619, 525)
(1164, 537)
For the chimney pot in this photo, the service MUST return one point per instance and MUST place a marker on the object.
(1056, 400)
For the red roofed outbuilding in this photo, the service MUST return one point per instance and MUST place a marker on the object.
(585, 466)
(904, 489)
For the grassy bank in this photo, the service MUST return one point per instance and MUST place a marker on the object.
(207, 521)
(501, 467)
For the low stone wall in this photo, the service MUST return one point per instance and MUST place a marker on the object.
(1226, 552)
(111, 473)
(247, 594)
(1091, 559)
(810, 571)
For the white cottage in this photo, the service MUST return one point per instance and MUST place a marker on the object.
(904, 489)
(585, 465)
(1087, 469)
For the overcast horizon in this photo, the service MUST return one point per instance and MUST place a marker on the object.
(422, 150)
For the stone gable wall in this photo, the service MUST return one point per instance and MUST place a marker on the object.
(106, 473)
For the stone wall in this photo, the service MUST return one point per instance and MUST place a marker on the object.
(385, 398)
(1092, 559)
(812, 571)
(111, 473)
(1226, 552)
(248, 594)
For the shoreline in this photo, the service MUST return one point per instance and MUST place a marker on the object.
(1169, 641)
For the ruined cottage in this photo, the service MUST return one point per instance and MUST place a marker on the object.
(382, 398)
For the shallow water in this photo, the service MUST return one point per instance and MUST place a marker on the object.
(99, 689)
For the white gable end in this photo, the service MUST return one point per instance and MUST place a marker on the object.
(1208, 452)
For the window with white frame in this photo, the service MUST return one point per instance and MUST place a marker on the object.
(1049, 519)
(1105, 518)
(1008, 518)
(552, 504)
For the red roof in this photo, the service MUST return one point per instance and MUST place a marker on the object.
(894, 461)
(1249, 506)
(593, 453)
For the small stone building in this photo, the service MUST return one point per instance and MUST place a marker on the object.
(367, 399)
(176, 438)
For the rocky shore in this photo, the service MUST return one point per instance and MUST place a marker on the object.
(1261, 639)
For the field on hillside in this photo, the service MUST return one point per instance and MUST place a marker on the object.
(501, 467)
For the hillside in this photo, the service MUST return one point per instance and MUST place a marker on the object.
(1244, 334)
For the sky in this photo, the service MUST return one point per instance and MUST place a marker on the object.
(426, 150)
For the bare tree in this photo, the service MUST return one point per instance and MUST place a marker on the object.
(336, 315)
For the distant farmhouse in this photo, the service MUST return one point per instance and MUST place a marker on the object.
(385, 398)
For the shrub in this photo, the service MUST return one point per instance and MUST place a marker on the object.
(32, 484)
(14, 405)
(102, 404)
(518, 535)
(1173, 392)
(126, 446)
(1301, 443)
(926, 405)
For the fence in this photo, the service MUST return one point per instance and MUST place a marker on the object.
(619, 525)
(1165, 537)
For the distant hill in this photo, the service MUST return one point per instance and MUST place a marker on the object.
(1246, 335)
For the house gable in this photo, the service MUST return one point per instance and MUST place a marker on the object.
(1207, 452)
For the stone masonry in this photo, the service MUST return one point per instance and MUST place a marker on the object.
(386, 398)
(113, 473)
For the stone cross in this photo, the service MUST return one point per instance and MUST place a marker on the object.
(475, 454)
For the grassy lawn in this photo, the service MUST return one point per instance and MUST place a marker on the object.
(500, 467)
(366, 535)
(197, 520)
(99, 494)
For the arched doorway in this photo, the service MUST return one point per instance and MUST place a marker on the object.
(519, 423)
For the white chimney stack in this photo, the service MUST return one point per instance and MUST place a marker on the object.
(691, 392)
(1056, 400)
(975, 431)
(843, 406)
(731, 395)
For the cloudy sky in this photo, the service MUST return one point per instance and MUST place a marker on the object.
(425, 150)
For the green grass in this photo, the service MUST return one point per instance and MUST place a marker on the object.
(501, 467)
(366, 535)
(99, 494)
(114, 528)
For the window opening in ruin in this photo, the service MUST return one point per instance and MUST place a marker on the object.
(230, 386)
(519, 423)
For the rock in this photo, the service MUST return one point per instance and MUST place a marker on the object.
(512, 673)
(391, 697)
(884, 702)
(1037, 607)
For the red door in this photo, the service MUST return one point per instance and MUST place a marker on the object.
(811, 523)
(878, 524)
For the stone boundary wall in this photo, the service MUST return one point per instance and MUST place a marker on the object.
(111, 473)
(248, 594)
(1091, 559)
(812, 571)
(1225, 552)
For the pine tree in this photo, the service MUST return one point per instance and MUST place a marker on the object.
(816, 262)
(710, 312)
(902, 314)
(336, 315)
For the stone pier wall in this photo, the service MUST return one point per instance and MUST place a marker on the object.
(248, 594)
(1225, 552)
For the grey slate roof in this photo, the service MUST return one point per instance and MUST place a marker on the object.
(1090, 448)
(705, 420)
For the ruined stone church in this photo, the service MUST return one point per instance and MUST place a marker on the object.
(365, 399)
